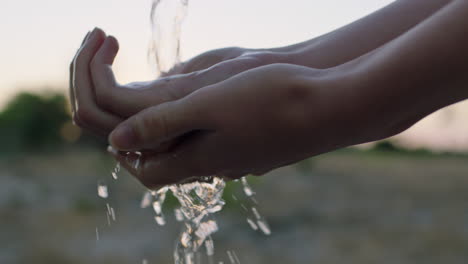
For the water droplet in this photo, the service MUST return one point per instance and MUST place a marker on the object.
(189, 258)
(157, 207)
(235, 257)
(136, 165)
(209, 244)
(256, 213)
(108, 219)
(97, 234)
(115, 171)
(102, 190)
(147, 199)
(247, 189)
(252, 224)
(231, 257)
(244, 207)
(108, 214)
(264, 227)
(160, 220)
(113, 214)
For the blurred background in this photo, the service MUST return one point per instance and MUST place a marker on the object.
(403, 200)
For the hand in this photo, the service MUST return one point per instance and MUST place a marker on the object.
(256, 121)
(99, 103)
(206, 60)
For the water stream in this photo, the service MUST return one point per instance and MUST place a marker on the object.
(198, 200)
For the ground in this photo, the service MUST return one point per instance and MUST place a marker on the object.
(349, 207)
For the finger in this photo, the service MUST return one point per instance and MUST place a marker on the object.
(134, 164)
(102, 74)
(157, 124)
(131, 162)
(101, 64)
(155, 171)
(87, 113)
(122, 101)
(70, 87)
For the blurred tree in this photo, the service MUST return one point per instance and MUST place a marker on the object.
(32, 122)
(38, 122)
(387, 146)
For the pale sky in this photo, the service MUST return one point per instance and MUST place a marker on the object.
(39, 38)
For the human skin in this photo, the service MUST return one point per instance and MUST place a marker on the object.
(278, 114)
(269, 116)
(99, 103)
(337, 47)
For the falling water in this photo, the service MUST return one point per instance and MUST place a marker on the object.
(198, 200)
(166, 23)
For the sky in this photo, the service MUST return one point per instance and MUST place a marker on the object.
(41, 37)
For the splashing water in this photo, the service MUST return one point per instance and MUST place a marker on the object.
(198, 200)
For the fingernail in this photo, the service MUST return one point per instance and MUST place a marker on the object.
(122, 137)
(94, 33)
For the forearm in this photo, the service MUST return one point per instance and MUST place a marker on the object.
(363, 35)
(418, 73)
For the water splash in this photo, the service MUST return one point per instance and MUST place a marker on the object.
(158, 200)
(116, 171)
(201, 199)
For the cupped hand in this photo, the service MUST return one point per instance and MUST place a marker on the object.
(99, 102)
(207, 59)
(256, 121)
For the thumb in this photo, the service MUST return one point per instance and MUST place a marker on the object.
(155, 125)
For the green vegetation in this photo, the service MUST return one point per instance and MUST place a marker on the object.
(38, 122)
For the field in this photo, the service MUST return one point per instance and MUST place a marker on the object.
(349, 207)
